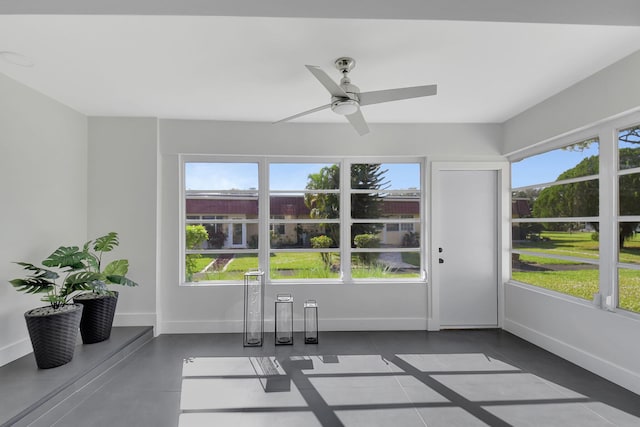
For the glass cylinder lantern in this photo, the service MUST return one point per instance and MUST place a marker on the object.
(253, 309)
(311, 322)
(284, 319)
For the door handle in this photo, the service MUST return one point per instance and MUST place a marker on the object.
(440, 261)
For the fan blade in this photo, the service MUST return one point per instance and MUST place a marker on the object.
(326, 81)
(357, 121)
(303, 114)
(376, 97)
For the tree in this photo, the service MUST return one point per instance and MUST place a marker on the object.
(571, 200)
(364, 176)
(322, 242)
(581, 199)
(325, 205)
(196, 235)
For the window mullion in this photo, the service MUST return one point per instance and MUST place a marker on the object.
(263, 215)
(345, 221)
(608, 225)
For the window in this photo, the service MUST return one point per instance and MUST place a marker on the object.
(323, 221)
(304, 199)
(380, 193)
(556, 219)
(221, 205)
(628, 295)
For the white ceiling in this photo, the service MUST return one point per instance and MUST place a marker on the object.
(251, 68)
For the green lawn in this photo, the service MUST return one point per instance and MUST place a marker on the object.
(579, 283)
(301, 265)
(201, 263)
(629, 290)
(631, 251)
(579, 244)
(412, 258)
(571, 277)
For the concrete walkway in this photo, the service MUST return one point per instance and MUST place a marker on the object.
(394, 260)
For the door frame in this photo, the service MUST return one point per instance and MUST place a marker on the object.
(503, 229)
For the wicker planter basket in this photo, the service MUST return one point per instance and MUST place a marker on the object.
(97, 316)
(53, 334)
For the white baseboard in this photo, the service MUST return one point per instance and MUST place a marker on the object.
(374, 324)
(353, 324)
(15, 350)
(134, 319)
(615, 373)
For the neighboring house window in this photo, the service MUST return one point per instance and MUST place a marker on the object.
(556, 218)
(628, 243)
(276, 228)
(406, 226)
(392, 227)
(296, 226)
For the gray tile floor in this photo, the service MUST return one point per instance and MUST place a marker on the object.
(449, 378)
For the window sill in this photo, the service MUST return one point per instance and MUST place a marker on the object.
(575, 300)
(319, 282)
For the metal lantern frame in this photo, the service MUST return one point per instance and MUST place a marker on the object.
(283, 325)
(253, 325)
(311, 322)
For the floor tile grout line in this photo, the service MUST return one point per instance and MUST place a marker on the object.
(460, 401)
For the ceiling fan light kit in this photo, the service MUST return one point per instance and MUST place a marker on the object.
(346, 98)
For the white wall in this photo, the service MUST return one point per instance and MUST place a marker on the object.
(601, 341)
(123, 198)
(604, 342)
(342, 307)
(43, 188)
(613, 91)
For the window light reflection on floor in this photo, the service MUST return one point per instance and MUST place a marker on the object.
(377, 390)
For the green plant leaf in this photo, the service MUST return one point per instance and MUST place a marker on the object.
(93, 262)
(33, 285)
(82, 277)
(121, 280)
(81, 281)
(119, 267)
(107, 242)
(66, 257)
(39, 272)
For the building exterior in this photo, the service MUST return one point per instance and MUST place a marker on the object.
(224, 210)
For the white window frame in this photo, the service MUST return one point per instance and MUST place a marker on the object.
(546, 149)
(264, 217)
(613, 298)
(607, 134)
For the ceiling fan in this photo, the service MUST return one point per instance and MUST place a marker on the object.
(346, 98)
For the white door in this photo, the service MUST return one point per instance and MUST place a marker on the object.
(466, 242)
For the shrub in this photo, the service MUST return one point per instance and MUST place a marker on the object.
(367, 241)
(196, 235)
(323, 241)
(217, 239)
(411, 240)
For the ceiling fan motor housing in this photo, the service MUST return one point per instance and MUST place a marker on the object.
(344, 106)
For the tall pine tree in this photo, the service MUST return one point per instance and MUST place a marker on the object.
(367, 205)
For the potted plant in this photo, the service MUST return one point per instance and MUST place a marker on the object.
(100, 302)
(53, 329)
